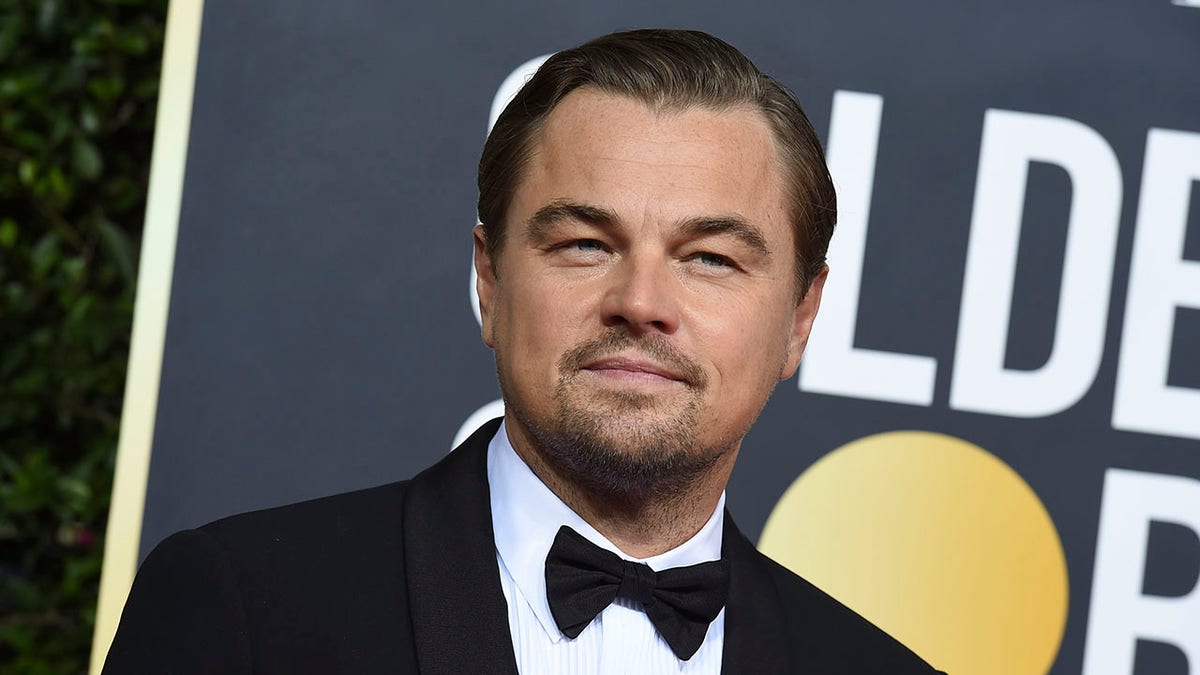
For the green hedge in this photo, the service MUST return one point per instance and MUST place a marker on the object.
(78, 83)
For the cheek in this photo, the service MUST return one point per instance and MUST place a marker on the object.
(537, 324)
(750, 348)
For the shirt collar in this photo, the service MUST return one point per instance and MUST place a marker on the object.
(526, 516)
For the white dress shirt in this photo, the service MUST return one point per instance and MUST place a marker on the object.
(526, 516)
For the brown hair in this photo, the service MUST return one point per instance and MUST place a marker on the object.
(668, 70)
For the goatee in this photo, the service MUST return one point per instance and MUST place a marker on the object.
(613, 444)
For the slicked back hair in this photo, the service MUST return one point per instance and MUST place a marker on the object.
(669, 71)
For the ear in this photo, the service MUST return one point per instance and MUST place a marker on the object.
(485, 283)
(806, 312)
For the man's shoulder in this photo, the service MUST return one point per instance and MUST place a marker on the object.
(370, 514)
(302, 561)
(362, 528)
(845, 641)
(276, 583)
(373, 514)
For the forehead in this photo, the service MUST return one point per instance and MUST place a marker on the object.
(646, 164)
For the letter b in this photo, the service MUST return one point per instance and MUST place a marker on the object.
(1120, 613)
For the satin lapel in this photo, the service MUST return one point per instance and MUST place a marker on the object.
(756, 639)
(459, 615)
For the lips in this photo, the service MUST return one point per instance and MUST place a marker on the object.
(647, 359)
(634, 368)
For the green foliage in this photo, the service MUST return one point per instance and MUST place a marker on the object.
(78, 83)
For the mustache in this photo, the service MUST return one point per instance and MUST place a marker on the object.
(616, 340)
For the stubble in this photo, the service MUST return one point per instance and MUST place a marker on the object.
(631, 450)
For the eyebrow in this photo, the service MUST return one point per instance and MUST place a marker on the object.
(559, 210)
(733, 226)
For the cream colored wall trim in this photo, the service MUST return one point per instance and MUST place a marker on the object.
(157, 264)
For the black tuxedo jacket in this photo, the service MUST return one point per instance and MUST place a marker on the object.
(403, 579)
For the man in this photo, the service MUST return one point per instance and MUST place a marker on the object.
(655, 214)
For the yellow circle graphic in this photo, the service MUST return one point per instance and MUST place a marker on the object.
(937, 542)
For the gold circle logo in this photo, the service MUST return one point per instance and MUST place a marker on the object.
(936, 541)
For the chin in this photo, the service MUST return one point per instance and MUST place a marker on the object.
(624, 448)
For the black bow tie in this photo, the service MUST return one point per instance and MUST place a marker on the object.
(582, 579)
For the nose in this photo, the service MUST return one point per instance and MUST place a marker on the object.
(642, 296)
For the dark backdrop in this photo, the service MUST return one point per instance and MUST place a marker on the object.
(321, 336)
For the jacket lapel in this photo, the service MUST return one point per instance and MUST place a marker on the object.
(756, 637)
(459, 615)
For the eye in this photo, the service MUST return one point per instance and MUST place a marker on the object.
(713, 260)
(587, 245)
(583, 251)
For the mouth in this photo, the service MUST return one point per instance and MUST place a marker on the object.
(634, 370)
(620, 360)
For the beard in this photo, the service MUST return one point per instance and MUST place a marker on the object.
(627, 448)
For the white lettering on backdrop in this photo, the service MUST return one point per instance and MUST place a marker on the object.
(1120, 613)
(1011, 141)
(1160, 281)
(832, 364)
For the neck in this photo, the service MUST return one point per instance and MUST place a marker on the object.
(640, 527)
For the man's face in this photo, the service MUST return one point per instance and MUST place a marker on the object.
(644, 303)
